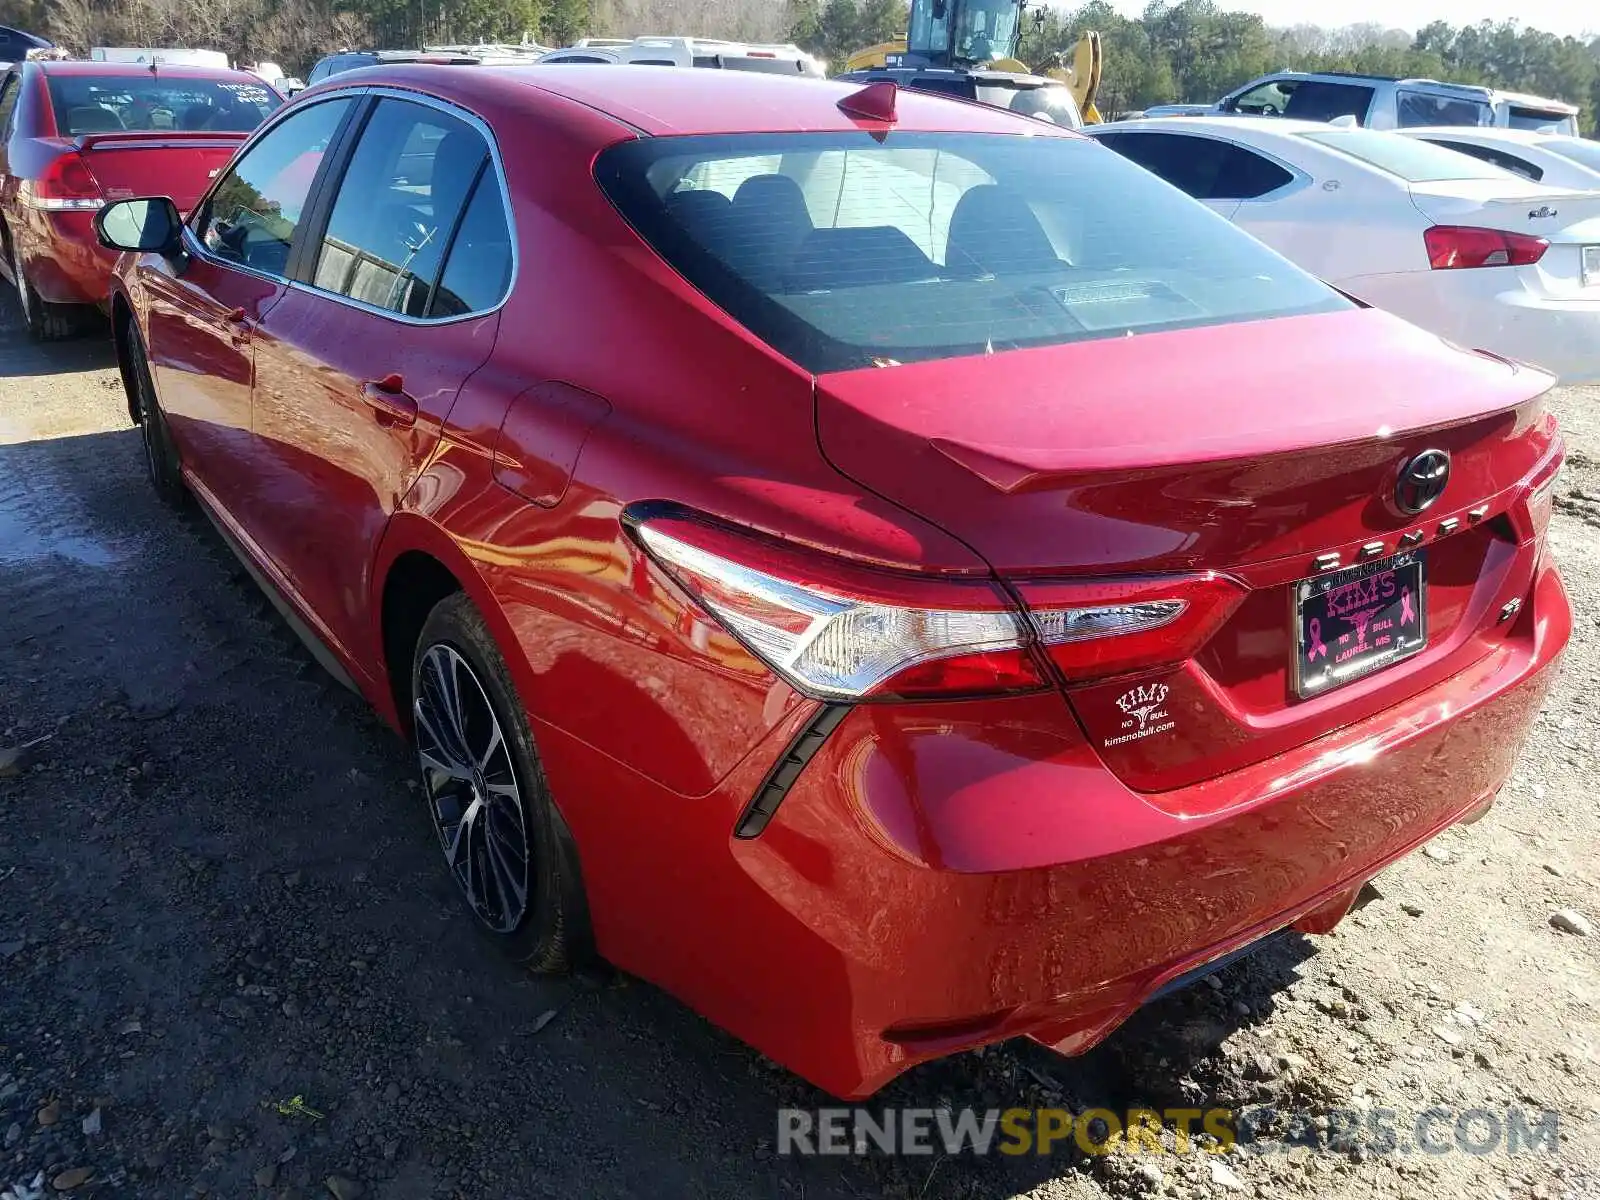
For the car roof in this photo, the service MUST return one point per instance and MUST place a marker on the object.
(162, 70)
(662, 101)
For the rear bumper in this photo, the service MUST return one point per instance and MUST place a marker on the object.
(65, 261)
(946, 875)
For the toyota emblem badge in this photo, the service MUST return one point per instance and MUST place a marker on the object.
(1422, 481)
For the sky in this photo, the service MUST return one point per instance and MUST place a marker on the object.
(1558, 16)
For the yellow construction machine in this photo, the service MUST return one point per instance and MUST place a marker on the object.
(971, 48)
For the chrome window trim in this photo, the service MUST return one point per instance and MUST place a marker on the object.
(482, 127)
(191, 240)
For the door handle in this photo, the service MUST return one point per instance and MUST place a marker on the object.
(240, 327)
(388, 398)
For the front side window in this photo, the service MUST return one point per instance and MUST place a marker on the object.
(843, 252)
(397, 207)
(1315, 100)
(1412, 160)
(1268, 99)
(110, 103)
(251, 216)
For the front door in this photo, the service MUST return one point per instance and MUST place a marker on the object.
(359, 364)
(205, 307)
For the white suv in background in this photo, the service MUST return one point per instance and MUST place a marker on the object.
(1378, 102)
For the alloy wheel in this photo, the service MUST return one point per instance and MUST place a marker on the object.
(471, 788)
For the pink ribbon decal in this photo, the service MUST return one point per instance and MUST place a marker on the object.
(1407, 613)
(1314, 632)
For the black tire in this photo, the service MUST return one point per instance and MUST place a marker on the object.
(550, 935)
(46, 322)
(160, 454)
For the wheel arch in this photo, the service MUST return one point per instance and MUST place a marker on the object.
(418, 565)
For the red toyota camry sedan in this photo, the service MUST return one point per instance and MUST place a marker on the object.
(74, 135)
(891, 572)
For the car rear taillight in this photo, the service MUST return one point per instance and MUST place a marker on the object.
(839, 632)
(66, 185)
(1093, 629)
(1453, 247)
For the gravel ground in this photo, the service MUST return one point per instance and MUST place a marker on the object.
(218, 894)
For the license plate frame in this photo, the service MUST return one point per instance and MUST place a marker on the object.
(1591, 265)
(1376, 615)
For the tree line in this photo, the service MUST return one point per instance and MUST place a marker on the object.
(1192, 51)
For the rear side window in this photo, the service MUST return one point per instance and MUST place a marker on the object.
(1426, 108)
(111, 103)
(1499, 158)
(1206, 168)
(843, 252)
(1412, 160)
(478, 269)
(397, 206)
(252, 216)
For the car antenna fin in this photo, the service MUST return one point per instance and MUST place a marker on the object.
(875, 102)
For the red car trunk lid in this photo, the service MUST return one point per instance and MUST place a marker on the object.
(169, 163)
(1250, 450)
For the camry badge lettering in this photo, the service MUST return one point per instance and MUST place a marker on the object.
(1145, 713)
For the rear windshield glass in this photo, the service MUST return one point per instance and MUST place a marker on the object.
(843, 251)
(1411, 160)
(1541, 120)
(109, 103)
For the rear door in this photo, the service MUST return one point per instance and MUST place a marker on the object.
(202, 312)
(395, 303)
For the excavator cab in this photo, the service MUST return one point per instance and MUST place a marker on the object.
(964, 33)
(969, 49)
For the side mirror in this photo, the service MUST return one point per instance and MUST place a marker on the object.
(150, 226)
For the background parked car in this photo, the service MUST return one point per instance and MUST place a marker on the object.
(1383, 102)
(1554, 159)
(76, 134)
(1479, 255)
(702, 643)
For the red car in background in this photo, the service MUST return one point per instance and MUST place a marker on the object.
(890, 571)
(74, 135)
